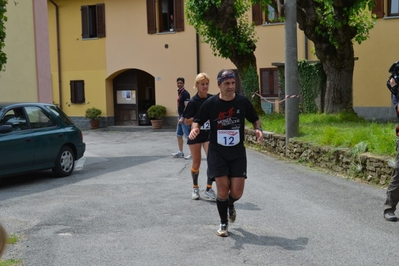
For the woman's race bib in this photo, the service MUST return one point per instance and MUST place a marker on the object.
(228, 137)
(206, 126)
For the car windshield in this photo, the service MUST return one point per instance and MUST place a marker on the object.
(59, 113)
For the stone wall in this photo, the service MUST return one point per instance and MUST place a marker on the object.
(368, 167)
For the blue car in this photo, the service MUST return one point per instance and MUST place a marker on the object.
(38, 136)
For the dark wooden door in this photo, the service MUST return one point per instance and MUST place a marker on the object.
(125, 95)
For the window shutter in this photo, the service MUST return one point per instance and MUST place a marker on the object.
(77, 91)
(378, 8)
(179, 15)
(257, 14)
(100, 20)
(85, 22)
(269, 82)
(151, 22)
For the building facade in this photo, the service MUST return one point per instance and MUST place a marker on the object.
(123, 56)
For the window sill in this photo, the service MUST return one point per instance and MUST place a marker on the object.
(165, 32)
(88, 39)
(272, 24)
(390, 17)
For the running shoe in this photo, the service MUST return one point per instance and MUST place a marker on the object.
(222, 230)
(210, 195)
(195, 195)
(188, 157)
(178, 154)
(232, 215)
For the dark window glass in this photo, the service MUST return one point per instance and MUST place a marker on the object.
(93, 21)
(170, 16)
(38, 118)
(15, 118)
(393, 8)
(61, 115)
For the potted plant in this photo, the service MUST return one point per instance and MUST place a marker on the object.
(156, 114)
(94, 115)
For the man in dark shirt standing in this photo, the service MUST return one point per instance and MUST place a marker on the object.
(393, 188)
(183, 97)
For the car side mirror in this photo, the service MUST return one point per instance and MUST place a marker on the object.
(5, 128)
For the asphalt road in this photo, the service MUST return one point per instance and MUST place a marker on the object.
(131, 205)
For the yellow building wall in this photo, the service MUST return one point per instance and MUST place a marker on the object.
(375, 57)
(129, 46)
(166, 56)
(19, 82)
(79, 60)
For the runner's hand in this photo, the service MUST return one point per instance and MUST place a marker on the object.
(194, 133)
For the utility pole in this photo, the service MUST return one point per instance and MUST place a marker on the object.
(291, 72)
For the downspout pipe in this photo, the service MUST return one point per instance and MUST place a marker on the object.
(197, 53)
(58, 52)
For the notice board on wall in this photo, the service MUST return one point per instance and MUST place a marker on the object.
(126, 97)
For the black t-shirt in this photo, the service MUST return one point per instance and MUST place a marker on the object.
(227, 117)
(194, 104)
(182, 96)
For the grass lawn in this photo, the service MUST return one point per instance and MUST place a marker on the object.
(339, 130)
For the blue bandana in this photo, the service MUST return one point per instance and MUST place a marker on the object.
(225, 76)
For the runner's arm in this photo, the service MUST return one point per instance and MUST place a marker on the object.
(258, 130)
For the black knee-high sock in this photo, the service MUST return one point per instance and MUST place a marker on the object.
(231, 202)
(194, 174)
(222, 205)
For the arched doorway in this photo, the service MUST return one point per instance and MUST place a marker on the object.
(134, 92)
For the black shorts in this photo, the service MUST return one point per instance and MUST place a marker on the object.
(230, 161)
(202, 137)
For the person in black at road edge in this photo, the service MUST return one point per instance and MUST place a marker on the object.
(227, 160)
(392, 198)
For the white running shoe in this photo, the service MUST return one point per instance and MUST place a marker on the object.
(222, 230)
(178, 154)
(210, 195)
(188, 157)
(195, 195)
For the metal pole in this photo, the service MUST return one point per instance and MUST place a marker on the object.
(291, 72)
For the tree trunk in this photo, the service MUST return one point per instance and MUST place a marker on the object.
(338, 95)
(247, 70)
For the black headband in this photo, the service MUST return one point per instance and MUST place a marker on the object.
(225, 76)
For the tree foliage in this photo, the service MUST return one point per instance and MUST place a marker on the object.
(3, 19)
(224, 25)
(333, 26)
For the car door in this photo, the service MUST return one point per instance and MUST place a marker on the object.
(48, 137)
(16, 146)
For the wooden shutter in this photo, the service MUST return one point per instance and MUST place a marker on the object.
(77, 91)
(269, 82)
(85, 21)
(179, 15)
(257, 14)
(151, 22)
(378, 8)
(100, 20)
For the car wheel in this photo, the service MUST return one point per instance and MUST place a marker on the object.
(65, 162)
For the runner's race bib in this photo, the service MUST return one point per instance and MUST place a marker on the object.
(206, 126)
(228, 137)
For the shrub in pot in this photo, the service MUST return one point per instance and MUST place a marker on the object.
(156, 114)
(94, 115)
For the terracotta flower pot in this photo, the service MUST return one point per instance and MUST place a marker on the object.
(94, 124)
(156, 124)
